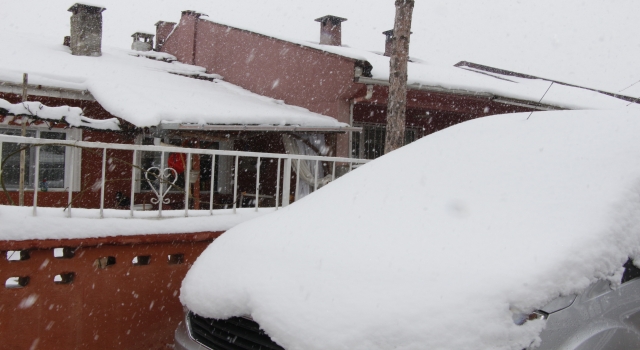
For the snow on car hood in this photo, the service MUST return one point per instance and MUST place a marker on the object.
(434, 245)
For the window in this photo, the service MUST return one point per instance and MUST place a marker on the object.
(55, 161)
(369, 144)
(147, 160)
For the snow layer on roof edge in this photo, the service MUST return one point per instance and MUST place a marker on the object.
(491, 214)
(71, 115)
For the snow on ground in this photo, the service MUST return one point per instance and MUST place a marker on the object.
(432, 246)
(141, 90)
(18, 223)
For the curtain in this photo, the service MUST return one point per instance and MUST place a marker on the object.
(294, 145)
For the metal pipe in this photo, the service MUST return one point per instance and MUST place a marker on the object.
(333, 172)
(211, 187)
(71, 175)
(104, 172)
(187, 184)
(286, 182)
(235, 186)
(277, 184)
(295, 198)
(133, 181)
(315, 179)
(257, 182)
(161, 180)
(36, 180)
(209, 127)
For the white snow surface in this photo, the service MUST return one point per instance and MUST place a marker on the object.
(433, 245)
(18, 223)
(72, 115)
(141, 90)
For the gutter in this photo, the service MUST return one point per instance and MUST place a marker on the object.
(460, 92)
(46, 91)
(260, 128)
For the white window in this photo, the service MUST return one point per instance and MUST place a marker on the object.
(55, 165)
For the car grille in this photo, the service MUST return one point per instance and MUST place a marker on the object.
(232, 333)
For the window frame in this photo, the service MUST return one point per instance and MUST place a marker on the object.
(72, 157)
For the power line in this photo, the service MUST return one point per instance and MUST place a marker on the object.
(541, 98)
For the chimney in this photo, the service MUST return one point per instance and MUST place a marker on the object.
(163, 30)
(142, 41)
(86, 30)
(331, 30)
(388, 42)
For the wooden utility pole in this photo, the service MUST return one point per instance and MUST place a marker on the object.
(397, 103)
(23, 153)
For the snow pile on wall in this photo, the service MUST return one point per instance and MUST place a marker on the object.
(71, 115)
(18, 223)
(141, 90)
(432, 246)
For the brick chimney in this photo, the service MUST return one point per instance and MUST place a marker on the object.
(331, 30)
(388, 42)
(163, 29)
(86, 30)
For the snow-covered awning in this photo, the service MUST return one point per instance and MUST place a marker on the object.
(65, 114)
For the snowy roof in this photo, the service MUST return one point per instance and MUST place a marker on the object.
(460, 236)
(422, 74)
(141, 90)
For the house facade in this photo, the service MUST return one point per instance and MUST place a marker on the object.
(142, 97)
(351, 85)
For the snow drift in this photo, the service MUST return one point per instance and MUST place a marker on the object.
(434, 245)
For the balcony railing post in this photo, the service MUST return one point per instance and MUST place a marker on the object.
(213, 178)
(133, 180)
(333, 171)
(278, 184)
(286, 182)
(187, 185)
(295, 198)
(235, 186)
(102, 183)
(257, 182)
(315, 179)
(161, 179)
(71, 175)
(36, 180)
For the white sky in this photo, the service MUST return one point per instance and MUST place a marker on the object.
(591, 43)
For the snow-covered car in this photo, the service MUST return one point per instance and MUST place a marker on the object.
(505, 232)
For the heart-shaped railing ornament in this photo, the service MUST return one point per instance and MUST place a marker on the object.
(163, 176)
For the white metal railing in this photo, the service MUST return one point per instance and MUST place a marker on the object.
(165, 177)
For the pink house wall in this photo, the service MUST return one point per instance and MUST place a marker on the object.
(301, 76)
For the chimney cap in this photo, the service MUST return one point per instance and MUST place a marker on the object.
(90, 8)
(143, 35)
(335, 20)
(164, 22)
(194, 13)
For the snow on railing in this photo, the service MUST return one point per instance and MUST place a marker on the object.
(161, 179)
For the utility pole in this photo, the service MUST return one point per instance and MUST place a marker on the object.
(397, 103)
(23, 153)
